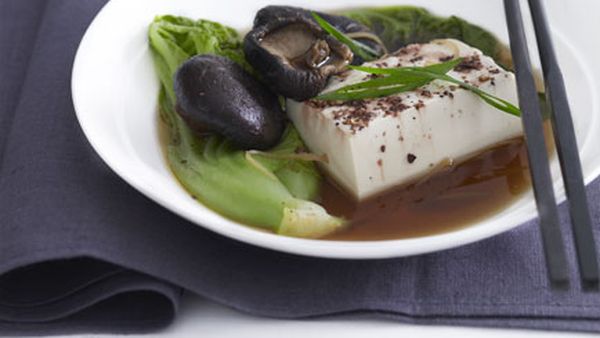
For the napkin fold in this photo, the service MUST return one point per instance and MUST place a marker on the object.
(81, 251)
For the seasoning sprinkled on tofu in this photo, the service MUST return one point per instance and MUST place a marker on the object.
(429, 125)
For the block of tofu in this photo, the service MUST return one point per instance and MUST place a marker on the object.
(375, 144)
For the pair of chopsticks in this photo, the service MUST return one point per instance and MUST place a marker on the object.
(564, 134)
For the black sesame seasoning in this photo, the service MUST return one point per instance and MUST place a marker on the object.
(373, 76)
(382, 148)
(411, 158)
(419, 105)
(354, 114)
(416, 59)
(425, 93)
(414, 49)
(469, 63)
(393, 105)
(446, 58)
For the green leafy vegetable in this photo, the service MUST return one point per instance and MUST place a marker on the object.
(365, 52)
(272, 190)
(403, 79)
(398, 26)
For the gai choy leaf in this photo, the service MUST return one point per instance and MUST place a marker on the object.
(272, 190)
(398, 26)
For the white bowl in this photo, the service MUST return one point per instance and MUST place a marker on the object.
(115, 96)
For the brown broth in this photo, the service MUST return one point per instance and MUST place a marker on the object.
(448, 200)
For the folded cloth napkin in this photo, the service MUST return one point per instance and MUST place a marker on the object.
(80, 250)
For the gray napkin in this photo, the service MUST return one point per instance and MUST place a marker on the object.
(80, 250)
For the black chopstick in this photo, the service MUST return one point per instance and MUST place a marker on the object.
(568, 153)
(539, 165)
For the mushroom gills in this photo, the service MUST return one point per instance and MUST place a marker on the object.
(300, 47)
(294, 56)
(346, 25)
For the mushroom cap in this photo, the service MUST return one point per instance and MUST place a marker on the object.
(216, 95)
(294, 55)
(342, 23)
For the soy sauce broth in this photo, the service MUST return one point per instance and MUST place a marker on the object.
(451, 199)
(448, 200)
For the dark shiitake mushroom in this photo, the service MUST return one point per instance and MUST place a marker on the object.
(216, 95)
(294, 56)
(351, 28)
(356, 31)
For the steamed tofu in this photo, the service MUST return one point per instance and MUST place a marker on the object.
(375, 144)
